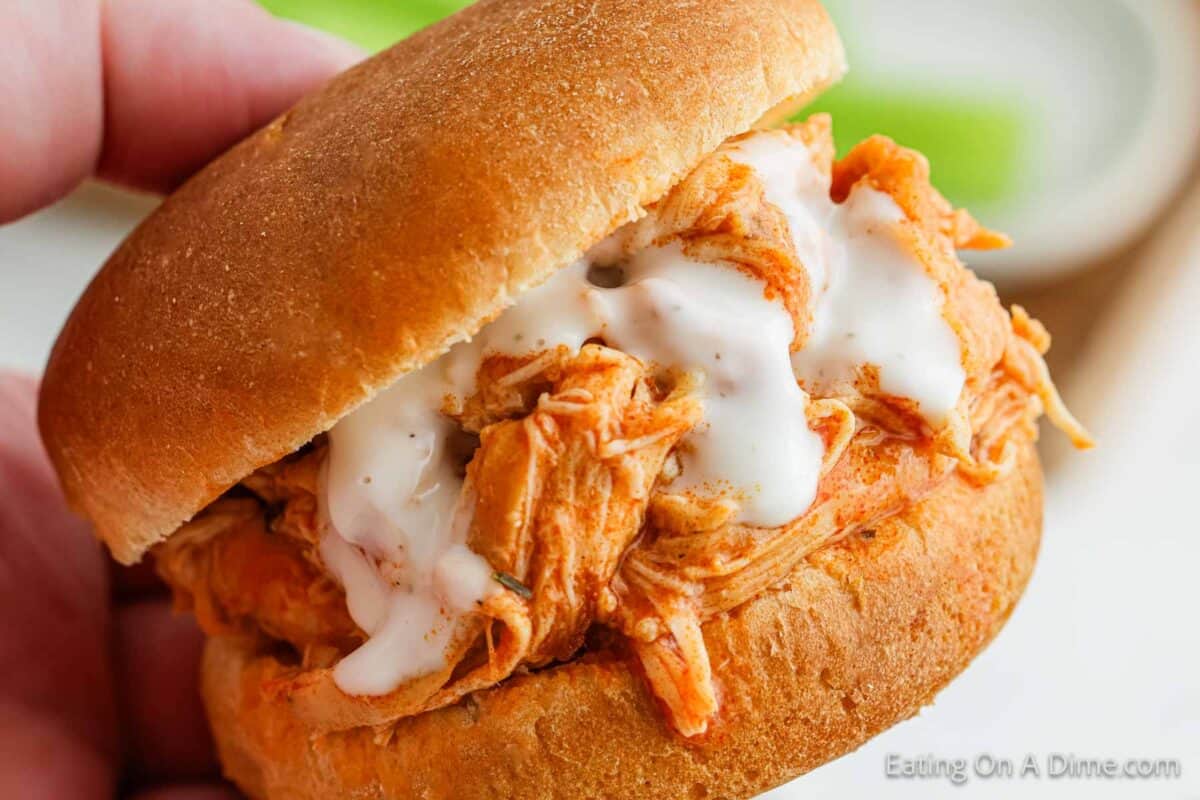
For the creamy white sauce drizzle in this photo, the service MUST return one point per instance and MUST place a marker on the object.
(873, 302)
(393, 495)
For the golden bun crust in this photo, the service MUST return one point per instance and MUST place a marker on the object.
(862, 635)
(385, 217)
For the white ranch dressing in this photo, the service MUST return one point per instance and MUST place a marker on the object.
(873, 302)
(393, 498)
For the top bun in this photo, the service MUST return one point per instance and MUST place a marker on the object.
(384, 218)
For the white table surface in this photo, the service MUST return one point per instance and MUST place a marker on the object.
(1102, 656)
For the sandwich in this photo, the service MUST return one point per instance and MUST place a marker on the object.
(535, 411)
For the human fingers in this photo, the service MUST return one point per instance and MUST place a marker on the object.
(142, 92)
(164, 732)
(56, 696)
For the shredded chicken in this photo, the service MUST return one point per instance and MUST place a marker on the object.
(571, 479)
(237, 575)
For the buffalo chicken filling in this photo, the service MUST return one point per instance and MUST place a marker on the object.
(784, 350)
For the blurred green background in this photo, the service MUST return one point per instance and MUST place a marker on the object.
(952, 129)
(373, 24)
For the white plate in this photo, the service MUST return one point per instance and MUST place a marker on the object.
(1113, 90)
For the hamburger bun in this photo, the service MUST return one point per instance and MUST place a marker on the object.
(858, 638)
(384, 218)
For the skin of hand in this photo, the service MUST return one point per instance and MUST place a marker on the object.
(98, 693)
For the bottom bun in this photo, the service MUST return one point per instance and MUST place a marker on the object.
(859, 637)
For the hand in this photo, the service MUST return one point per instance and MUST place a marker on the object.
(97, 676)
